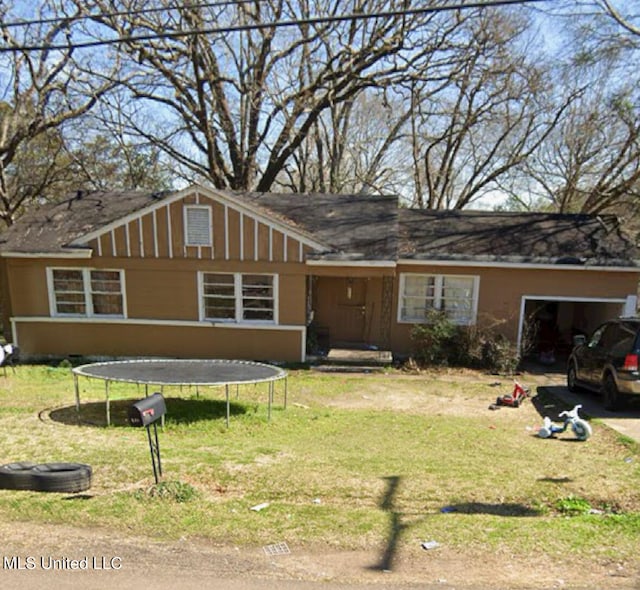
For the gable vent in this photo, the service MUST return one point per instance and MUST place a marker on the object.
(198, 226)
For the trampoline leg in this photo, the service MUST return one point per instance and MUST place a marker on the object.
(108, 404)
(226, 388)
(77, 389)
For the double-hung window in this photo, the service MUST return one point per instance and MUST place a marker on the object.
(238, 297)
(86, 292)
(454, 295)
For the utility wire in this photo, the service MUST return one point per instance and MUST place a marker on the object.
(136, 12)
(259, 26)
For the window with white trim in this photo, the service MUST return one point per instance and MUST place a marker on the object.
(197, 225)
(86, 292)
(456, 296)
(238, 297)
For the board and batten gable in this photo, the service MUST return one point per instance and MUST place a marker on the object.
(163, 253)
(238, 233)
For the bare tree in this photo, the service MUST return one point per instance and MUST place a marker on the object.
(591, 161)
(488, 119)
(629, 22)
(39, 93)
(239, 105)
(352, 148)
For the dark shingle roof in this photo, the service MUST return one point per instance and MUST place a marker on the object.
(54, 227)
(359, 227)
(354, 226)
(514, 237)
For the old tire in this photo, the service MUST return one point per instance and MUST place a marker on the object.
(17, 476)
(61, 477)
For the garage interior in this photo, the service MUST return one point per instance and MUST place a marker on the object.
(548, 326)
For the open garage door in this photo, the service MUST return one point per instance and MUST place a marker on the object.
(548, 324)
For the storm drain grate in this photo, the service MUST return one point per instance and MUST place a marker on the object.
(277, 549)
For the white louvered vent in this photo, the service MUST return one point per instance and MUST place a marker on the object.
(198, 226)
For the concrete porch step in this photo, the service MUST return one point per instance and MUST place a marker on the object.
(359, 357)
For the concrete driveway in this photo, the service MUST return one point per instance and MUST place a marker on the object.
(626, 422)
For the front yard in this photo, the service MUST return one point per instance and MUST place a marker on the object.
(376, 462)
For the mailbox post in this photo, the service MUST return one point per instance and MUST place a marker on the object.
(146, 412)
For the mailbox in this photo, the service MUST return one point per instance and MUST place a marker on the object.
(146, 411)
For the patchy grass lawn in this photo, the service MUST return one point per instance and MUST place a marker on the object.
(355, 461)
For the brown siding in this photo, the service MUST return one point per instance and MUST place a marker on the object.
(293, 250)
(263, 242)
(169, 289)
(501, 291)
(233, 238)
(5, 301)
(277, 240)
(293, 299)
(352, 271)
(248, 245)
(177, 228)
(160, 234)
(28, 287)
(135, 239)
(113, 340)
(157, 293)
(162, 290)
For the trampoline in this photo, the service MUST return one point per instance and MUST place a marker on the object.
(177, 372)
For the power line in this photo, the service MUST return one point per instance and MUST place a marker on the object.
(259, 26)
(79, 16)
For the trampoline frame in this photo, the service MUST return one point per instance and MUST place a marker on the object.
(86, 371)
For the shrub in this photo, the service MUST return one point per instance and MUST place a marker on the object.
(439, 342)
(434, 340)
(499, 355)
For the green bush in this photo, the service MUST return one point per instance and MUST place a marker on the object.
(434, 340)
(440, 342)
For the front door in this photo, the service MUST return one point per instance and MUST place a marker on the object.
(341, 308)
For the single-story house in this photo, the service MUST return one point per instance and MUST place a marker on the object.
(204, 273)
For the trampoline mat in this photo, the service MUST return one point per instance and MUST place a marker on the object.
(182, 372)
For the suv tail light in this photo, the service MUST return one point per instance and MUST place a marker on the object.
(631, 362)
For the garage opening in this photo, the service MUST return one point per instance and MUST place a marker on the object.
(548, 325)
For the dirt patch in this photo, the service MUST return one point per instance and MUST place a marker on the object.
(466, 392)
(130, 561)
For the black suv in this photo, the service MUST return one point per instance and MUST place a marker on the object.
(608, 362)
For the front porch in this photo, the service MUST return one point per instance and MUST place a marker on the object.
(351, 317)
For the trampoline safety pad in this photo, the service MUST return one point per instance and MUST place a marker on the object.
(181, 372)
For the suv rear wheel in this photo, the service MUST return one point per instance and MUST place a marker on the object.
(572, 379)
(612, 398)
